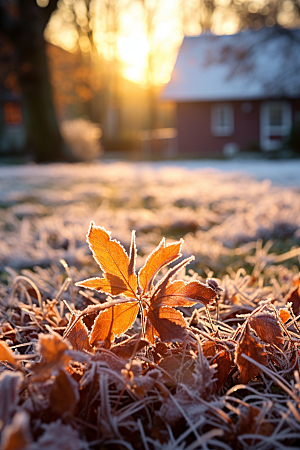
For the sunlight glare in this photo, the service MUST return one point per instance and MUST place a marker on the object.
(133, 48)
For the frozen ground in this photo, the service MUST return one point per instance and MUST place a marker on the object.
(215, 205)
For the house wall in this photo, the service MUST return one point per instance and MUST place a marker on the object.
(194, 128)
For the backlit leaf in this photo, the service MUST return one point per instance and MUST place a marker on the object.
(180, 293)
(166, 323)
(113, 261)
(294, 297)
(224, 364)
(6, 354)
(284, 315)
(113, 322)
(110, 284)
(162, 284)
(267, 328)
(250, 346)
(160, 257)
(78, 336)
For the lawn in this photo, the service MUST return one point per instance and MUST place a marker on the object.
(223, 375)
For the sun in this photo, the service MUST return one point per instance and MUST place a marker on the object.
(133, 51)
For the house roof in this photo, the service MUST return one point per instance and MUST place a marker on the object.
(247, 65)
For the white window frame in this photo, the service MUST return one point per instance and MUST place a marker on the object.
(267, 130)
(216, 128)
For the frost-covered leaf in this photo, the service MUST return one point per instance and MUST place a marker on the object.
(127, 348)
(117, 268)
(166, 323)
(113, 321)
(16, 436)
(180, 293)
(284, 315)
(250, 346)
(224, 365)
(64, 393)
(267, 328)
(78, 336)
(160, 257)
(55, 353)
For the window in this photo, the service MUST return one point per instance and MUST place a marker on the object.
(275, 124)
(222, 119)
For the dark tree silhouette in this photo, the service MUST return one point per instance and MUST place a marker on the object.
(24, 22)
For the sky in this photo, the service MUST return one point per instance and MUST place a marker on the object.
(130, 44)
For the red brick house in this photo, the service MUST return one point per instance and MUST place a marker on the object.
(236, 92)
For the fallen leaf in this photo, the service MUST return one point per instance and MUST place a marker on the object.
(250, 346)
(54, 351)
(224, 365)
(6, 354)
(64, 394)
(114, 321)
(127, 348)
(160, 257)
(267, 328)
(16, 436)
(166, 323)
(284, 315)
(294, 297)
(78, 336)
(180, 369)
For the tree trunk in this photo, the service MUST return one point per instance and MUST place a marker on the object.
(26, 30)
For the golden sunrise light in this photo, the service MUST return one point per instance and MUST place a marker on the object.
(123, 34)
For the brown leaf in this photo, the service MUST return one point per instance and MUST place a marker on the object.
(160, 257)
(224, 362)
(16, 436)
(267, 328)
(64, 394)
(78, 336)
(211, 348)
(284, 315)
(165, 323)
(55, 354)
(294, 297)
(162, 284)
(180, 293)
(6, 354)
(119, 276)
(113, 322)
(250, 346)
(127, 348)
(247, 424)
(179, 367)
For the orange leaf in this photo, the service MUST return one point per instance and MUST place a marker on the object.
(113, 322)
(113, 261)
(78, 337)
(250, 346)
(179, 293)
(160, 257)
(267, 328)
(162, 284)
(284, 315)
(224, 363)
(165, 323)
(110, 284)
(6, 354)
